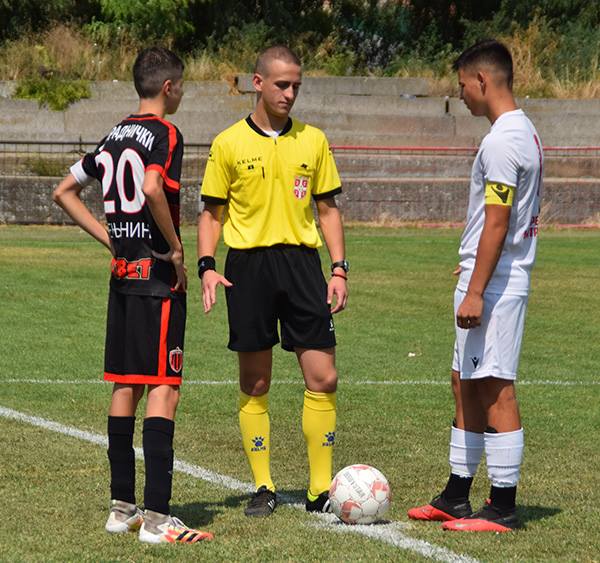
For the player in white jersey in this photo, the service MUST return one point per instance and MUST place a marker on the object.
(497, 253)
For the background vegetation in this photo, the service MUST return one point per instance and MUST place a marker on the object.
(556, 43)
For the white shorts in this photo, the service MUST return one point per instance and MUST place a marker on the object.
(493, 348)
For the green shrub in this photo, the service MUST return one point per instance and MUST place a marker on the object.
(40, 166)
(241, 45)
(57, 94)
(146, 20)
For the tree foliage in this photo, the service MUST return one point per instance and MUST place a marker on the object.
(340, 36)
(22, 16)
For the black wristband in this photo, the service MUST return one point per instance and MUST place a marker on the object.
(206, 263)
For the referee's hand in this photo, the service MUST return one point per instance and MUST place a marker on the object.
(337, 288)
(210, 281)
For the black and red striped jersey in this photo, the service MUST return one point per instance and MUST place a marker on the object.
(138, 144)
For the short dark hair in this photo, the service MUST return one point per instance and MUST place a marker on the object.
(152, 67)
(279, 52)
(487, 52)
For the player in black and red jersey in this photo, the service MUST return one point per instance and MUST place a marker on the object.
(139, 166)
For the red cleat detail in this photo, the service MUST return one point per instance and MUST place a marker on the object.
(430, 513)
(475, 525)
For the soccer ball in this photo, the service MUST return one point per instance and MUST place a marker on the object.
(360, 494)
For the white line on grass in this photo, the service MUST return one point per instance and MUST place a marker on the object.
(391, 382)
(392, 534)
(387, 533)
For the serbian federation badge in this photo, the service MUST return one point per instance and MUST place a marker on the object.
(176, 359)
(300, 186)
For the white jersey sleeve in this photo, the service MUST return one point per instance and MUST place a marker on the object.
(500, 161)
(83, 179)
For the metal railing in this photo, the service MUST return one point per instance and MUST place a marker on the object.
(53, 158)
(45, 158)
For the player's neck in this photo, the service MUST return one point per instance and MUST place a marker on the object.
(154, 106)
(499, 105)
(266, 121)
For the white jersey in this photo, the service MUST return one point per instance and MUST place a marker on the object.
(510, 154)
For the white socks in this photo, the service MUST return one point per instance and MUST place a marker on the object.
(504, 453)
(466, 449)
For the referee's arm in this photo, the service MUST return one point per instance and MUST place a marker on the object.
(209, 231)
(330, 221)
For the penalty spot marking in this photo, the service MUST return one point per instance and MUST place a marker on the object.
(392, 382)
(386, 533)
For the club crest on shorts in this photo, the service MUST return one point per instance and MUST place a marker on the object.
(300, 186)
(176, 359)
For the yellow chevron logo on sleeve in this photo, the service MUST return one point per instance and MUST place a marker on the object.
(499, 194)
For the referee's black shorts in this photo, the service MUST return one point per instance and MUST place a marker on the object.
(284, 283)
(144, 339)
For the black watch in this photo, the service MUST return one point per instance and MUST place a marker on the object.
(343, 264)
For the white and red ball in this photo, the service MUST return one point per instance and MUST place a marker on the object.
(360, 494)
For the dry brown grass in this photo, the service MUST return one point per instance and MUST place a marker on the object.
(204, 66)
(530, 50)
(66, 52)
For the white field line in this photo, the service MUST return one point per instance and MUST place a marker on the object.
(392, 534)
(343, 383)
(387, 533)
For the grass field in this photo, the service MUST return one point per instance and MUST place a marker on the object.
(395, 344)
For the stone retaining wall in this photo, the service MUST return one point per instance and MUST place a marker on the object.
(28, 200)
(352, 111)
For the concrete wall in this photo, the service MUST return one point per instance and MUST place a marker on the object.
(28, 200)
(371, 111)
(355, 111)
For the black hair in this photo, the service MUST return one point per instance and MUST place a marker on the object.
(152, 67)
(279, 52)
(487, 52)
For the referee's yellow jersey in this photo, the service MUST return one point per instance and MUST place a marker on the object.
(266, 183)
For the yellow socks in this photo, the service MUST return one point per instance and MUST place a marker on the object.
(318, 425)
(255, 428)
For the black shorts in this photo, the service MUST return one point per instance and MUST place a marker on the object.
(144, 339)
(282, 283)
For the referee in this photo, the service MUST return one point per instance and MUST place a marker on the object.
(260, 177)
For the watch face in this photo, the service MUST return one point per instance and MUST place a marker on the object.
(343, 264)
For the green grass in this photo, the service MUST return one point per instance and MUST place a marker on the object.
(54, 283)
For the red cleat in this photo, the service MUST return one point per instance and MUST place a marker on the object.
(440, 510)
(488, 519)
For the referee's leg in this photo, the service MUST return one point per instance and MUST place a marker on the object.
(318, 420)
(255, 427)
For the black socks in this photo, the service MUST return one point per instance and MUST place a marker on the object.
(121, 458)
(457, 488)
(158, 455)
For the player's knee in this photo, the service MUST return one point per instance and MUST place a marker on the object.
(255, 386)
(163, 400)
(323, 382)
